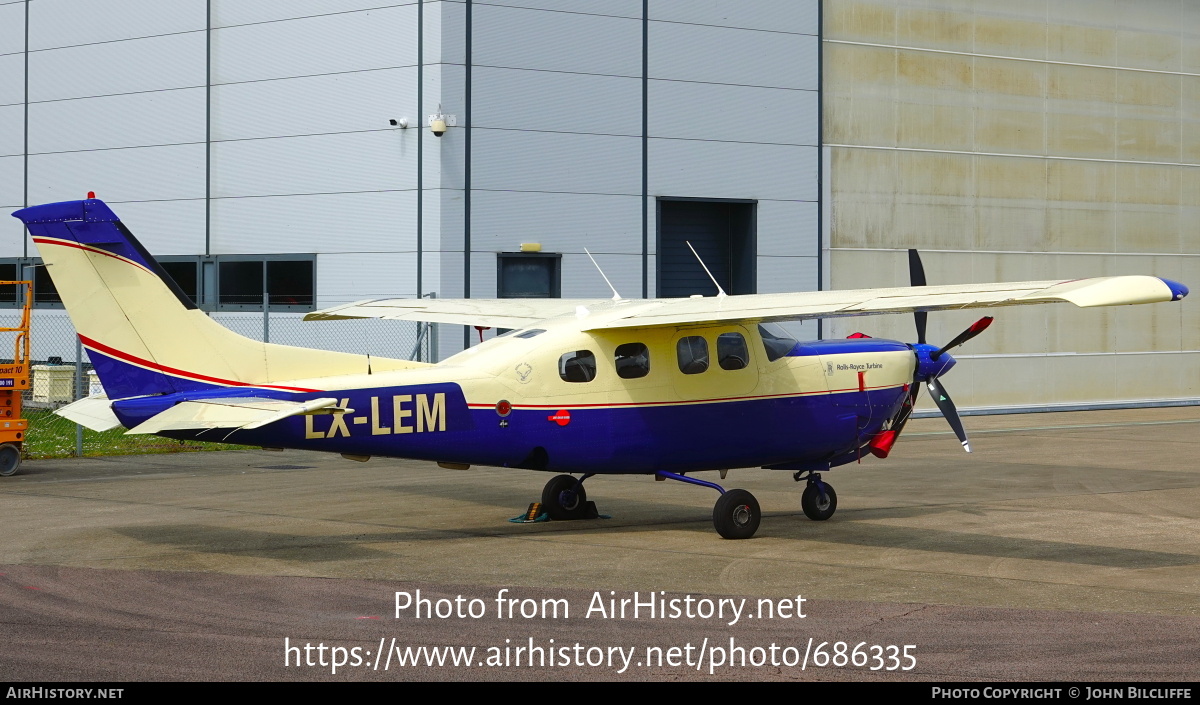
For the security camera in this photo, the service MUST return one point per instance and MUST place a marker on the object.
(402, 123)
(438, 125)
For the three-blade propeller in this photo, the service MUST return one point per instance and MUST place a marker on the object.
(928, 370)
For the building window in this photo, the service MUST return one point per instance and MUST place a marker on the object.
(185, 272)
(528, 275)
(287, 281)
(10, 270)
(45, 294)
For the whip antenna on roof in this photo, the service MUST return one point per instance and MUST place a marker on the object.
(616, 296)
(720, 292)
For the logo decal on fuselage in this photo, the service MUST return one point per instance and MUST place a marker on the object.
(562, 417)
(523, 371)
(411, 413)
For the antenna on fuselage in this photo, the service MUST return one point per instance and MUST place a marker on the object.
(720, 292)
(616, 296)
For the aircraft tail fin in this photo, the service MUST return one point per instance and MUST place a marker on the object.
(143, 334)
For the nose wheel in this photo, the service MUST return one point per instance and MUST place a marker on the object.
(819, 501)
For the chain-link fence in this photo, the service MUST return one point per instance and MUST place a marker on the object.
(62, 372)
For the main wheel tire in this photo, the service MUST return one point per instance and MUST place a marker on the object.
(814, 508)
(10, 459)
(561, 500)
(736, 515)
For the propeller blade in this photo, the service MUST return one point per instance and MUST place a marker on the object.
(916, 271)
(916, 277)
(976, 328)
(946, 404)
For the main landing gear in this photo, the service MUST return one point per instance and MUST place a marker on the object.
(736, 514)
(563, 497)
(819, 501)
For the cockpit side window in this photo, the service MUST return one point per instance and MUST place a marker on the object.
(632, 360)
(776, 340)
(732, 353)
(692, 352)
(577, 366)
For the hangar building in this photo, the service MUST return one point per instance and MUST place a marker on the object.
(799, 145)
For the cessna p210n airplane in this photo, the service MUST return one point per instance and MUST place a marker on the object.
(664, 388)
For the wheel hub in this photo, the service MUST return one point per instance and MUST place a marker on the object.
(568, 499)
(742, 515)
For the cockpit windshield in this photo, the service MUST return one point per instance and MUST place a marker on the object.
(776, 340)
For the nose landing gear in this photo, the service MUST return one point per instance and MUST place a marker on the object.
(819, 501)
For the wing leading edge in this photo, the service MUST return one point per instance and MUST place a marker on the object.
(515, 313)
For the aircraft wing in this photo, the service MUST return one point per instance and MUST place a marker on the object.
(1096, 291)
(235, 412)
(517, 313)
(493, 313)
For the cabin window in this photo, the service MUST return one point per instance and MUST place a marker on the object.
(632, 360)
(776, 341)
(577, 366)
(692, 352)
(732, 353)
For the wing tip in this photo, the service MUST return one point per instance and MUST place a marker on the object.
(1178, 291)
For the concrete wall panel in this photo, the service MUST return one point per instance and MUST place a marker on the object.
(238, 12)
(368, 161)
(140, 119)
(702, 169)
(787, 229)
(325, 223)
(165, 227)
(12, 130)
(353, 41)
(318, 104)
(12, 28)
(141, 174)
(719, 55)
(12, 176)
(155, 63)
(768, 15)
(62, 23)
(786, 274)
(616, 8)
(556, 102)
(704, 111)
(12, 232)
(556, 41)
(542, 161)
(342, 278)
(12, 79)
(561, 222)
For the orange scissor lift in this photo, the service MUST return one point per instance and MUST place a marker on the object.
(14, 381)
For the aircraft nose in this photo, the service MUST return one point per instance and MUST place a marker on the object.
(1178, 291)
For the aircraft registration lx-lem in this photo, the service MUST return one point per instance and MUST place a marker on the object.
(664, 388)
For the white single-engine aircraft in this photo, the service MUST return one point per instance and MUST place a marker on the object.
(663, 387)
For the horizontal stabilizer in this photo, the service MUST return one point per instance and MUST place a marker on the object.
(236, 413)
(91, 412)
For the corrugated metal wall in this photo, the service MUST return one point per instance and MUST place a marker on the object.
(1013, 141)
(285, 105)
